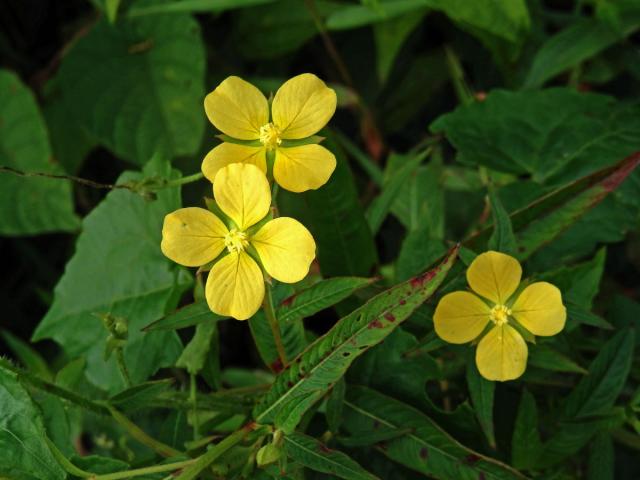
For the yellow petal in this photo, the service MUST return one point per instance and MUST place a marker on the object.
(286, 249)
(227, 153)
(192, 236)
(502, 354)
(494, 275)
(235, 286)
(242, 192)
(460, 317)
(302, 168)
(302, 106)
(540, 310)
(237, 108)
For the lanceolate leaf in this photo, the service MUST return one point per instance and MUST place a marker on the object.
(427, 449)
(326, 360)
(314, 455)
(526, 443)
(482, 393)
(502, 239)
(319, 296)
(187, 316)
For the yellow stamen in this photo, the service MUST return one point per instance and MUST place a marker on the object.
(236, 241)
(270, 136)
(500, 314)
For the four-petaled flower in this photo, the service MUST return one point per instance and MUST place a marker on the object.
(462, 317)
(195, 237)
(300, 108)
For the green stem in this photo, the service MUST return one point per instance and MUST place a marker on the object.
(169, 467)
(202, 462)
(270, 313)
(193, 398)
(54, 389)
(122, 366)
(137, 433)
(456, 72)
(64, 462)
(184, 180)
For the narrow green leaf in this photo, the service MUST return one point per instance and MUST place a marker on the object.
(601, 464)
(353, 16)
(195, 353)
(195, 6)
(29, 357)
(140, 395)
(382, 434)
(390, 35)
(111, 7)
(393, 185)
(314, 455)
(547, 358)
(502, 239)
(427, 449)
(525, 443)
(335, 405)
(319, 296)
(482, 393)
(188, 316)
(326, 360)
(578, 314)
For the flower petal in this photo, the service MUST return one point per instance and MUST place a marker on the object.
(237, 108)
(540, 310)
(494, 275)
(502, 354)
(460, 317)
(242, 192)
(192, 236)
(227, 153)
(302, 106)
(235, 286)
(286, 249)
(302, 168)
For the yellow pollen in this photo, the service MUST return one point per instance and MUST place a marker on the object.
(500, 314)
(235, 241)
(270, 136)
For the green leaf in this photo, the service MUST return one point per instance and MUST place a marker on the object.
(335, 405)
(319, 296)
(547, 358)
(417, 252)
(118, 268)
(316, 456)
(334, 216)
(601, 464)
(578, 314)
(427, 449)
(576, 43)
(502, 239)
(556, 135)
(525, 443)
(326, 360)
(25, 453)
(390, 35)
(195, 353)
(29, 357)
(191, 6)
(393, 185)
(353, 16)
(482, 392)
(137, 86)
(29, 205)
(188, 316)
(139, 396)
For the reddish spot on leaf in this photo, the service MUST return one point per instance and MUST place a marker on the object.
(290, 384)
(628, 165)
(471, 458)
(382, 446)
(481, 476)
(289, 300)
(402, 301)
(423, 453)
(375, 324)
(420, 280)
(276, 366)
(389, 316)
(376, 424)
(324, 448)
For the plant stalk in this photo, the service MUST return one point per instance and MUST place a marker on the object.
(270, 313)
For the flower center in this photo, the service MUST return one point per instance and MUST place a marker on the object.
(236, 241)
(270, 136)
(500, 314)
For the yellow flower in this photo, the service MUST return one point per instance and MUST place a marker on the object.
(300, 108)
(462, 317)
(235, 286)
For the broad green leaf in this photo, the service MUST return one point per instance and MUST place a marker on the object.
(556, 135)
(29, 205)
(601, 464)
(138, 397)
(28, 356)
(334, 216)
(391, 188)
(187, 316)
(314, 455)
(543, 220)
(195, 353)
(319, 296)
(575, 44)
(547, 358)
(525, 443)
(191, 6)
(137, 86)
(482, 392)
(427, 449)
(390, 35)
(502, 239)
(25, 454)
(326, 360)
(118, 268)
